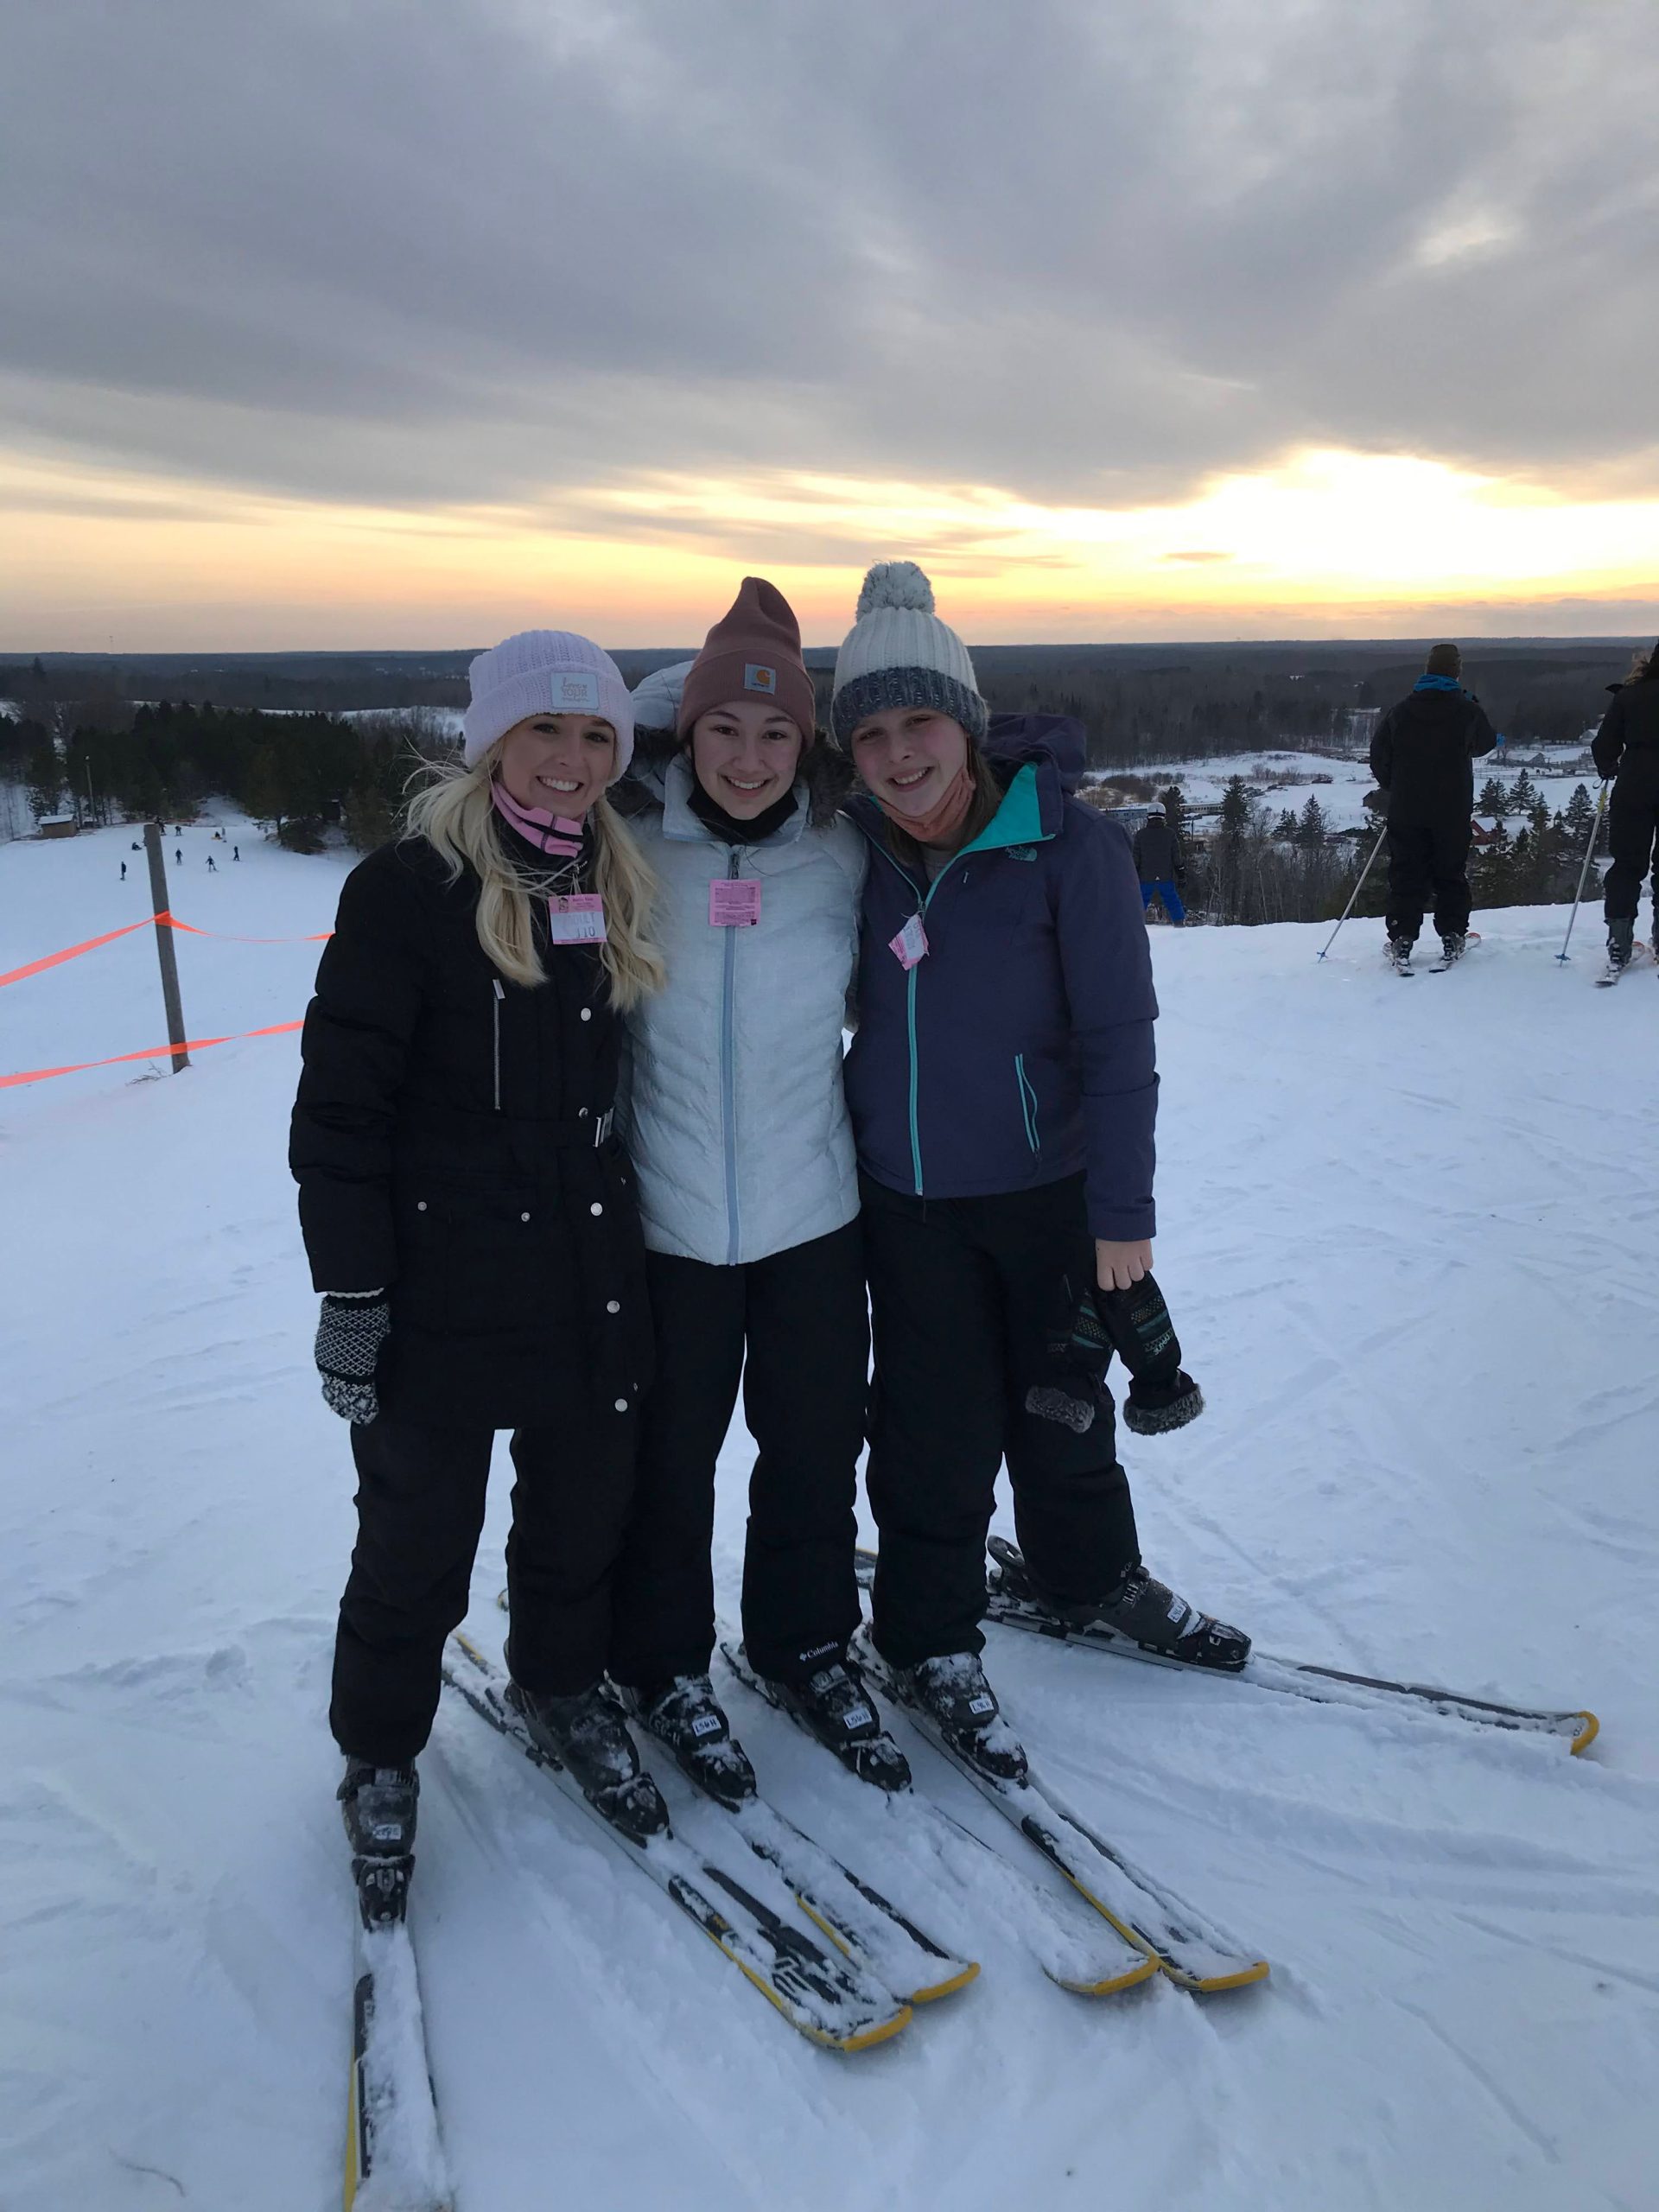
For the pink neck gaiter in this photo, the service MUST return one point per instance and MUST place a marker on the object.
(940, 825)
(549, 833)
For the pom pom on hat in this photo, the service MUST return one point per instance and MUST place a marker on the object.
(898, 653)
(895, 584)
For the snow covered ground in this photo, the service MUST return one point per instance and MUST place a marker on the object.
(1408, 1240)
(1342, 798)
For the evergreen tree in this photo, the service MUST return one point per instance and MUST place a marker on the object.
(1523, 794)
(1580, 811)
(1286, 826)
(1491, 796)
(1311, 830)
(1235, 809)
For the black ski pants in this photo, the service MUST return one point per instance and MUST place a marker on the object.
(964, 1294)
(419, 1507)
(1428, 864)
(1632, 820)
(794, 1329)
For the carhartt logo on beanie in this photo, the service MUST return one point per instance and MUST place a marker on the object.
(1443, 660)
(545, 672)
(898, 653)
(753, 653)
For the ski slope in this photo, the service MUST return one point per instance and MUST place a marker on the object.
(1409, 1241)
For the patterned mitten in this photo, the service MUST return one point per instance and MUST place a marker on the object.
(355, 1325)
(1162, 1396)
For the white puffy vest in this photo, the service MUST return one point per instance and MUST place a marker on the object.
(734, 1112)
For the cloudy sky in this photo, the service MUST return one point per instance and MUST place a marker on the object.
(342, 322)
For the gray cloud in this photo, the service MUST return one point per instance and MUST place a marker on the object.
(1086, 253)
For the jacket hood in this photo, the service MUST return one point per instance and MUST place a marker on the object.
(1057, 741)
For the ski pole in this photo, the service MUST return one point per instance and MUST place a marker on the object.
(1358, 887)
(1589, 852)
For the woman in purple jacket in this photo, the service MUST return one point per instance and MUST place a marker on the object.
(1003, 1094)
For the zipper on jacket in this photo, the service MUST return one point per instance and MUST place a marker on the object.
(728, 1076)
(495, 1025)
(910, 1012)
(1027, 1106)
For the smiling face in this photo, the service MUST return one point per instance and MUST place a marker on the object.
(558, 762)
(745, 755)
(909, 757)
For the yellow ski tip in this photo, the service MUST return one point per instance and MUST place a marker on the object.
(1211, 1984)
(936, 1989)
(1586, 1735)
(1131, 1978)
(882, 2031)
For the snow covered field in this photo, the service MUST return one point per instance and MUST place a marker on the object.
(1407, 1241)
(1342, 799)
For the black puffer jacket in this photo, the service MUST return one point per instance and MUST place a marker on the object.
(1631, 723)
(450, 1141)
(1156, 859)
(1423, 757)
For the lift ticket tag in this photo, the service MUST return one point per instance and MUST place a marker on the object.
(911, 944)
(734, 904)
(579, 919)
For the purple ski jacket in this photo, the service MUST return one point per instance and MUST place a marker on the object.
(1018, 1049)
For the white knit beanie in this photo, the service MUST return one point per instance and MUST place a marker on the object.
(898, 653)
(545, 672)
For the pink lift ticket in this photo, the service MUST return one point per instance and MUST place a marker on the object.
(734, 904)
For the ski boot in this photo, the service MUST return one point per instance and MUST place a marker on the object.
(1149, 1613)
(587, 1736)
(379, 1805)
(834, 1706)
(1621, 936)
(687, 1718)
(1399, 954)
(1453, 944)
(953, 1694)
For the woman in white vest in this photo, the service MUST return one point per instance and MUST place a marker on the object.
(748, 1194)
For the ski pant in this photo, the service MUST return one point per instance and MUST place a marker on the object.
(964, 1295)
(1428, 861)
(1632, 819)
(794, 1328)
(1172, 898)
(420, 1506)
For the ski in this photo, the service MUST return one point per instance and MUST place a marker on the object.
(1611, 973)
(394, 2159)
(858, 1919)
(830, 1999)
(1438, 967)
(1012, 1602)
(1086, 1967)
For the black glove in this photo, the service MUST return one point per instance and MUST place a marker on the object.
(353, 1328)
(1162, 1396)
(1080, 1351)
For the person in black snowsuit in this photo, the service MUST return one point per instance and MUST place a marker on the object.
(1423, 756)
(123, 871)
(473, 1226)
(212, 870)
(178, 854)
(236, 852)
(1626, 750)
(1158, 864)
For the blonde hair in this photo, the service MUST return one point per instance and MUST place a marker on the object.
(1640, 662)
(454, 811)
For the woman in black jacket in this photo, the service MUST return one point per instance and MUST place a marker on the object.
(472, 1225)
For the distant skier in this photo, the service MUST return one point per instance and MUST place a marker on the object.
(1422, 757)
(1158, 863)
(135, 846)
(1626, 749)
(178, 854)
(236, 852)
(212, 869)
(123, 871)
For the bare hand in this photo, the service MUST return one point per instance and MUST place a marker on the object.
(1118, 1266)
